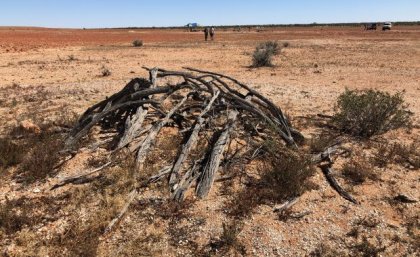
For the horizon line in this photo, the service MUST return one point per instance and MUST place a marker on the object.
(413, 22)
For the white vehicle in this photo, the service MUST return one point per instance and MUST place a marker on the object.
(387, 26)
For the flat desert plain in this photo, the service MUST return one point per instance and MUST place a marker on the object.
(45, 73)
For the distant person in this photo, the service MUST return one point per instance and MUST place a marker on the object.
(206, 33)
(212, 33)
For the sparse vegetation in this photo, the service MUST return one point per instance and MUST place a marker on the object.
(137, 43)
(71, 58)
(264, 53)
(369, 112)
(12, 220)
(407, 155)
(283, 174)
(11, 153)
(367, 249)
(323, 250)
(105, 72)
(358, 170)
(42, 158)
(321, 142)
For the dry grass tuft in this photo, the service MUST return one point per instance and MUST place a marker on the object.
(407, 155)
(321, 142)
(43, 156)
(11, 153)
(105, 72)
(229, 241)
(283, 174)
(358, 170)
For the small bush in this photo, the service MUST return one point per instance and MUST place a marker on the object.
(40, 162)
(229, 243)
(407, 155)
(105, 72)
(10, 153)
(137, 43)
(367, 113)
(358, 170)
(264, 53)
(285, 174)
(286, 44)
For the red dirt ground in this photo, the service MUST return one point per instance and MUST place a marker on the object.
(16, 39)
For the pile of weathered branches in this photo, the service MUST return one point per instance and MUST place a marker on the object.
(199, 104)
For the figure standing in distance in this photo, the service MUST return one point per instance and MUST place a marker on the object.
(206, 33)
(212, 33)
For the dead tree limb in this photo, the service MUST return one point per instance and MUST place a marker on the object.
(207, 176)
(327, 170)
(186, 148)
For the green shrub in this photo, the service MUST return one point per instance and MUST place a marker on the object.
(264, 53)
(137, 43)
(369, 112)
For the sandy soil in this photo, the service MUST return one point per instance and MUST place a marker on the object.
(65, 66)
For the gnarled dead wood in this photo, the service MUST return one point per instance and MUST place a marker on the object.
(327, 170)
(206, 178)
(149, 140)
(190, 143)
(134, 125)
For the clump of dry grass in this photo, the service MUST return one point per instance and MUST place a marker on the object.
(282, 174)
(229, 242)
(408, 155)
(369, 112)
(367, 249)
(105, 72)
(43, 155)
(13, 218)
(11, 153)
(321, 142)
(143, 245)
(358, 170)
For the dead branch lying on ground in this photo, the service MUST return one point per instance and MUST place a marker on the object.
(200, 105)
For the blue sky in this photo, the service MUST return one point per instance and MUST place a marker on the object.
(123, 13)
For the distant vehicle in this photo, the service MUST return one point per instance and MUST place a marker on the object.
(387, 26)
(371, 26)
(192, 26)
